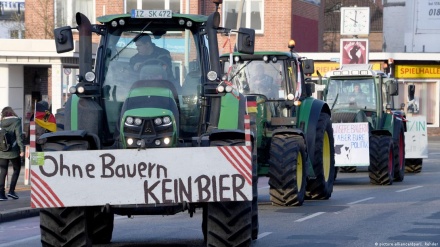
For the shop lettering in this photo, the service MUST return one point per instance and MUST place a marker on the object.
(417, 71)
(208, 189)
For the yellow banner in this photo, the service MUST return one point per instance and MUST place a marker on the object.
(417, 71)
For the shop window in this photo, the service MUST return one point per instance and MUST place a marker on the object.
(424, 102)
(173, 5)
(67, 9)
(251, 17)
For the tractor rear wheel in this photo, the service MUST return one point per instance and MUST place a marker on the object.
(399, 157)
(413, 165)
(232, 223)
(287, 170)
(381, 169)
(321, 186)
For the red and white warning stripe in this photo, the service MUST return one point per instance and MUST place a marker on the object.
(32, 136)
(241, 156)
(42, 195)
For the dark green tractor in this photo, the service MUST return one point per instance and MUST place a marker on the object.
(112, 107)
(362, 95)
(293, 131)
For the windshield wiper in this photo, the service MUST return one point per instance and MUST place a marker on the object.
(131, 41)
(240, 69)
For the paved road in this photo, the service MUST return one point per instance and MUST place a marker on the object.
(358, 214)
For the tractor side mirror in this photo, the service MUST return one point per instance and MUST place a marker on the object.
(308, 66)
(246, 40)
(393, 87)
(63, 39)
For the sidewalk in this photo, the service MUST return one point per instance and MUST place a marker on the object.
(18, 209)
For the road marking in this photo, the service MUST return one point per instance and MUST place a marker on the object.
(363, 200)
(264, 234)
(309, 217)
(412, 188)
(18, 242)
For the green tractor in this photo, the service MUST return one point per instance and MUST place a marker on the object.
(358, 94)
(293, 131)
(155, 141)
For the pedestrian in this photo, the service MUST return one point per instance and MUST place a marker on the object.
(12, 124)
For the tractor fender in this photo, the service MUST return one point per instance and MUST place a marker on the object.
(309, 117)
(93, 139)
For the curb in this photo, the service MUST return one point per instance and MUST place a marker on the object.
(19, 213)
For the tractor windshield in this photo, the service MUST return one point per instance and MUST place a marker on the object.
(138, 55)
(354, 93)
(258, 77)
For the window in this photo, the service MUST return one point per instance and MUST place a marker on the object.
(173, 5)
(16, 34)
(252, 16)
(67, 9)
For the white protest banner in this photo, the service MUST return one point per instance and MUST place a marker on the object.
(351, 144)
(416, 138)
(131, 176)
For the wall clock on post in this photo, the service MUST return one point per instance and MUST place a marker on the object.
(355, 20)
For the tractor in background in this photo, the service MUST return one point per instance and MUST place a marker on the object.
(293, 142)
(372, 130)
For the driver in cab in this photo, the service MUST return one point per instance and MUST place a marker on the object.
(357, 96)
(149, 53)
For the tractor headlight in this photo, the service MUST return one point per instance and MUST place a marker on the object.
(89, 76)
(212, 75)
(80, 89)
(166, 140)
(220, 89)
(129, 120)
(166, 120)
(137, 121)
(158, 121)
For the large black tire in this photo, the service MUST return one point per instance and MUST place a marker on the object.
(64, 227)
(102, 229)
(100, 224)
(232, 223)
(287, 170)
(413, 165)
(321, 186)
(399, 157)
(229, 224)
(381, 169)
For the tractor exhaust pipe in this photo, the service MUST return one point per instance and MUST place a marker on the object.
(85, 44)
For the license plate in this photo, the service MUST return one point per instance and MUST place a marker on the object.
(142, 13)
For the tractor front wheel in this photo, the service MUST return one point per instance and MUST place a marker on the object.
(381, 169)
(321, 186)
(287, 170)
